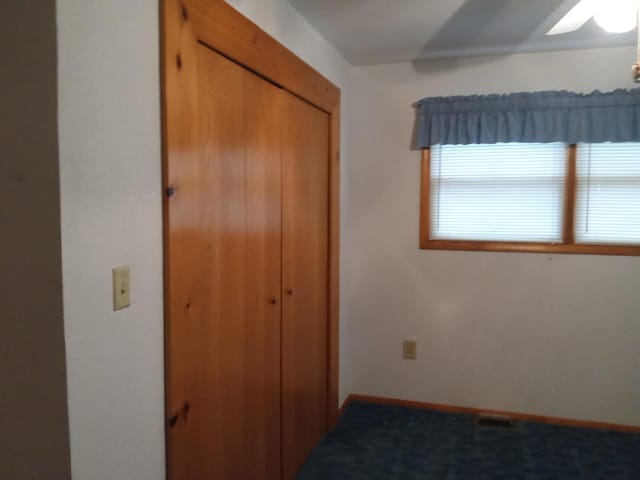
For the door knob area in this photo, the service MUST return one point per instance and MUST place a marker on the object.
(273, 301)
(289, 291)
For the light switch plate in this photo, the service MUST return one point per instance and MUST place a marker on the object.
(409, 350)
(121, 288)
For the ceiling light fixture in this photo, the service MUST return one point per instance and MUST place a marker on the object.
(616, 16)
(575, 18)
(635, 68)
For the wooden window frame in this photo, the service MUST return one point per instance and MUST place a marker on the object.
(568, 244)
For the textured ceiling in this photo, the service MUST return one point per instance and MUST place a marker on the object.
(388, 31)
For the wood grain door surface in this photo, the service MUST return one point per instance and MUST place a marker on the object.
(247, 269)
(224, 269)
(305, 208)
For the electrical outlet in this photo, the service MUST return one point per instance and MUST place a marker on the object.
(121, 288)
(409, 349)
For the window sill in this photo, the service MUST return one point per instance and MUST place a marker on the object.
(484, 246)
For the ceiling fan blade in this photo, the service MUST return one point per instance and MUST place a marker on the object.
(576, 18)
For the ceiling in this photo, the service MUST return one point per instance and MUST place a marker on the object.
(388, 31)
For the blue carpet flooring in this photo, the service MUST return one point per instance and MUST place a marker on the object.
(385, 442)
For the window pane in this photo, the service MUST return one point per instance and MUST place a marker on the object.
(501, 192)
(608, 193)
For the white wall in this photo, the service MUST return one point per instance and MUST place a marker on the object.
(545, 334)
(110, 159)
(283, 22)
(109, 117)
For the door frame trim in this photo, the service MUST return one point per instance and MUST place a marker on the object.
(214, 23)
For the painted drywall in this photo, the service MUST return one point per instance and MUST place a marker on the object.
(110, 168)
(545, 334)
(110, 177)
(33, 399)
(283, 22)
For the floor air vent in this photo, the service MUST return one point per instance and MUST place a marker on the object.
(495, 421)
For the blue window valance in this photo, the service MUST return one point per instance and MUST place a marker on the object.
(539, 117)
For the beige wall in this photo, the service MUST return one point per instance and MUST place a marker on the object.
(545, 334)
(34, 440)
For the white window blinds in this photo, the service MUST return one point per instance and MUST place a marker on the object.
(500, 192)
(608, 193)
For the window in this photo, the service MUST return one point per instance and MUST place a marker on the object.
(608, 193)
(481, 193)
(540, 197)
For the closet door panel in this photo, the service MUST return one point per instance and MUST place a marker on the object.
(224, 245)
(305, 280)
(263, 237)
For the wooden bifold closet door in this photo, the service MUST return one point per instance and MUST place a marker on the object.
(305, 279)
(247, 279)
